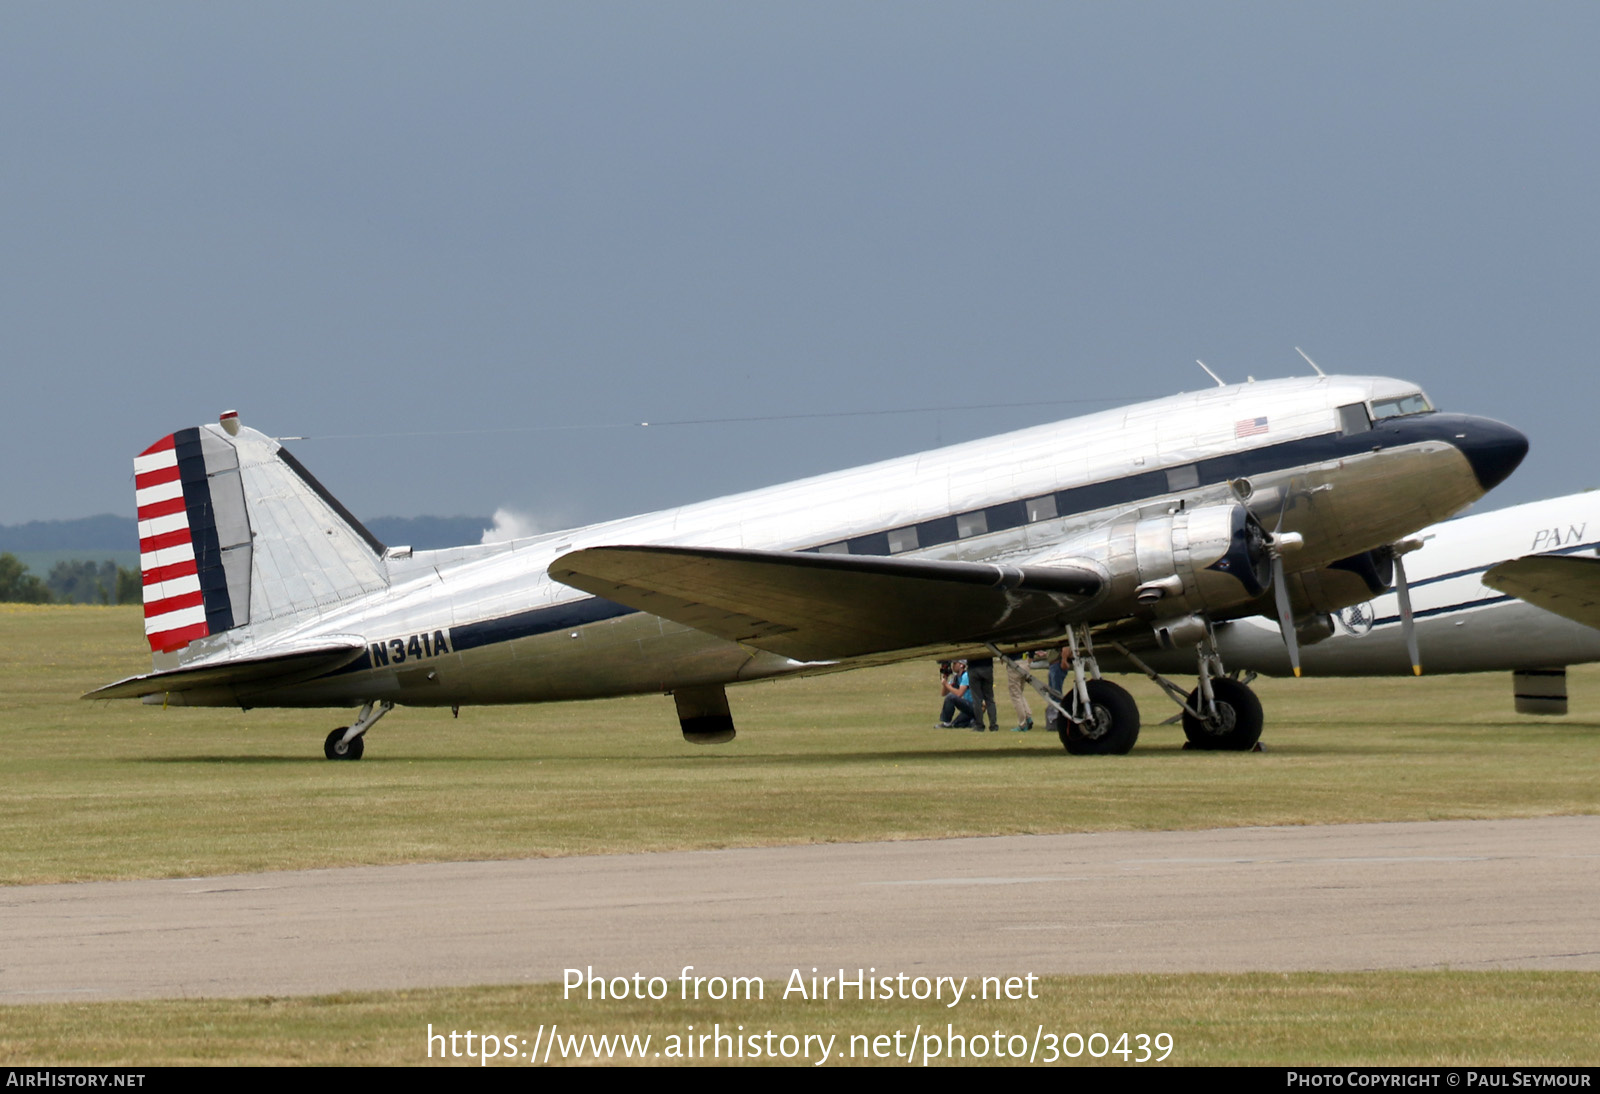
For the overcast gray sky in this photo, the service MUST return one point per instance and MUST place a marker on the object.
(427, 221)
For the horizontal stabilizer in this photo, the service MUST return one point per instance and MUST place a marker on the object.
(277, 668)
(818, 607)
(1565, 584)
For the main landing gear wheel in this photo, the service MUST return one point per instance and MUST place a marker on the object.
(1237, 726)
(1115, 726)
(337, 748)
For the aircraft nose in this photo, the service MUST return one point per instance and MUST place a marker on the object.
(1493, 448)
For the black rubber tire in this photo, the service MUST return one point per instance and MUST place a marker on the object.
(332, 749)
(1239, 712)
(1116, 727)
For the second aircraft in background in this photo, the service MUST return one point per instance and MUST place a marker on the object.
(1514, 590)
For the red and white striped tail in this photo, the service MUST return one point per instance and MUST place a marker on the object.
(234, 533)
(174, 606)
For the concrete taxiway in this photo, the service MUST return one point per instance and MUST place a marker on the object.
(1460, 894)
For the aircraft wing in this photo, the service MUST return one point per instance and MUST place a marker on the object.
(824, 607)
(278, 668)
(1567, 585)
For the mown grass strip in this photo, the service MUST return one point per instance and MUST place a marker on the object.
(121, 790)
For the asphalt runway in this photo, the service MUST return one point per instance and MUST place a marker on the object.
(1517, 894)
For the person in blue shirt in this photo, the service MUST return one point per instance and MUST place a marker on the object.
(957, 710)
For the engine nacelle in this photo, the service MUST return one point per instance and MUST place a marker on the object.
(1178, 564)
(1344, 583)
(1203, 559)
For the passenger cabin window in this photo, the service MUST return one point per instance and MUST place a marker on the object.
(971, 524)
(1353, 419)
(1041, 508)
(1182, 478)
(1415, 403)
(902, 539)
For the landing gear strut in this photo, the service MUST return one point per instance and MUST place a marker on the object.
(1221, 714)
(1094, 717)
(344, 743)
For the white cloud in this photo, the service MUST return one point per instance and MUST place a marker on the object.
(509, 524)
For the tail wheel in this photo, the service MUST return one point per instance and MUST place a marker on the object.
(1237, 725)
(1111, 731)
(337, 748)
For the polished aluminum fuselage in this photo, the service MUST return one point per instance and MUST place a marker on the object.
(486, 624)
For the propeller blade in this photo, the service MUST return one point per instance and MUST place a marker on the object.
(1408, 626)
(1280, 593)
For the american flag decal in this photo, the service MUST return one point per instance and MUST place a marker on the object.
(1249, 427)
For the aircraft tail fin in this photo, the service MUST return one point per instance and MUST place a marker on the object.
(234, 533)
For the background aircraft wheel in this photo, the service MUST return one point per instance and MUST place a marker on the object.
(335, 750)
(1115, 727)
(1238, 724)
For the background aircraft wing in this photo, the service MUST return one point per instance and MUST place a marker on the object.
(820, 607)
(283, 667)
(1565, 584)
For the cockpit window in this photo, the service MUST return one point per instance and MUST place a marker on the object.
(1353, 419)
(1415, 403)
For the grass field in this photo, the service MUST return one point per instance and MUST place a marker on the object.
(122, 790)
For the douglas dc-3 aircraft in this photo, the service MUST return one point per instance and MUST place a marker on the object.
(1516, 590)
(1142, 526)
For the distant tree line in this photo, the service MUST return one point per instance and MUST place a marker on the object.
(71, 581)
(111, 533)
(78, 582)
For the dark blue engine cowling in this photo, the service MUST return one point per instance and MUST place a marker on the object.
(1374, 568)
(1247, 558)
(1339, 585)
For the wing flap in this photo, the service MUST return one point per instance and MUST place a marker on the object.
(280, 668)
(1567, 585)
(817, 607)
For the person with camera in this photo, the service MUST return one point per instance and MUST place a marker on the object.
(956, 713)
